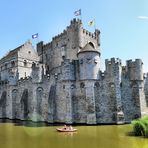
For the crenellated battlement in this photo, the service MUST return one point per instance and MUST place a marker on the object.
(59, 36)
(24, 80)
(137, 62)
(75, 22)
(90, 34)
(113, 61)
(47, 46)
(129, 63)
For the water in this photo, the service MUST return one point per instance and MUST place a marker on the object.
(112, 136)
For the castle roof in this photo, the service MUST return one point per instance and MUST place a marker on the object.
(11, 53)
(89, 47)
(14, 51)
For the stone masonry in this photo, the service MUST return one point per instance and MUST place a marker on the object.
(61, 82)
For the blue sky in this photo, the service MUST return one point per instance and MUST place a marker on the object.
(123, 24)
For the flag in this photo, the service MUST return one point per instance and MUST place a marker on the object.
(77, 13)
(91, 23)
(35, 36)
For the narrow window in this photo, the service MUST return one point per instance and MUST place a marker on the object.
(25, 63)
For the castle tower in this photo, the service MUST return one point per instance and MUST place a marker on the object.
(89, 61)
(89, 66)
(113, 78)
(135, 70)
(136, 77)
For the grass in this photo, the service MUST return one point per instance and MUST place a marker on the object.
(140, 126)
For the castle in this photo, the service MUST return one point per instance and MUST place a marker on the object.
(61, 82)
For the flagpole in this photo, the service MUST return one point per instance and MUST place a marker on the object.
(81, 15)
(35, 37)
(37, 41)
(95, 24)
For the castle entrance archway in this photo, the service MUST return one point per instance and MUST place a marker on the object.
(3, 104)
(39, 95)
(24, 103)
(52, 103)
(14, 97)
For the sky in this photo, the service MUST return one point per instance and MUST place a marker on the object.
(123, 24)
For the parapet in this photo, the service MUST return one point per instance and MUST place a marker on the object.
(41, 47)
(25, 80)
(131, 63)
(113, 67)
(75, 21)
(94, 35)
(113, 61)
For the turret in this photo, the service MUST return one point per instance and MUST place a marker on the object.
(89, 62)
(135, 69)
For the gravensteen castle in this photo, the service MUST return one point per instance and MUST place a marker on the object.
(61, 82)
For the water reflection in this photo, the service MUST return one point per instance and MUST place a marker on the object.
(67, 133)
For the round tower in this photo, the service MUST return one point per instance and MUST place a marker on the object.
(138, 69)
(89, 62)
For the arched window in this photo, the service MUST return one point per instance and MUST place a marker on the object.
(91, 44)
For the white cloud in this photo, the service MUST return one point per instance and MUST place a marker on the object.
(143, 17)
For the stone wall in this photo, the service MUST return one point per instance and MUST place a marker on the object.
(111, 99)
(27, 100)
(89, 63)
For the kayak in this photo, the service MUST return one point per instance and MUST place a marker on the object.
(66, 130)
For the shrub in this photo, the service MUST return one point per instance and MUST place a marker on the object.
(140, 126)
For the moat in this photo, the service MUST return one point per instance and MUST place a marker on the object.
(16, 135)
